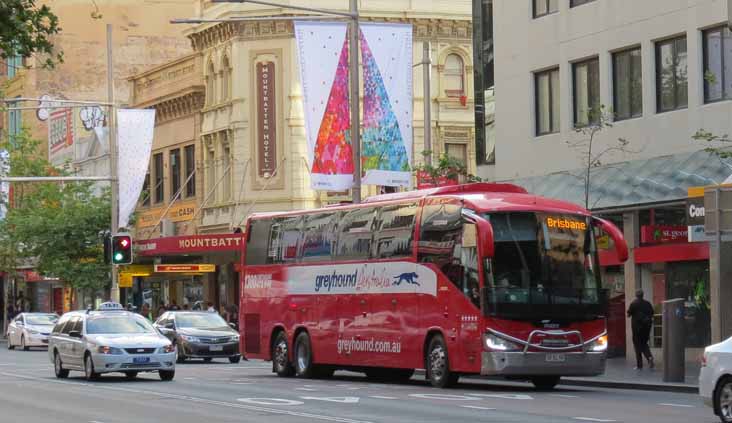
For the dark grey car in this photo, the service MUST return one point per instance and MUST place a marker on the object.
(199, 335)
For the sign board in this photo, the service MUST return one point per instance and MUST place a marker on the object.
(663, 234)
(178, 212)
(266, 119)
(189, 244)
(723, 209)
(697, 234)
(185, 268)
(61, 134)
(125, 280)
(695, 211)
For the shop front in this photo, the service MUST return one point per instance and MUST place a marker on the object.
(184, 272)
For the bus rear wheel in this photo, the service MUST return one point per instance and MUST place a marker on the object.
(304, 357)
(438, 364)
(545, 383)
(281, 356)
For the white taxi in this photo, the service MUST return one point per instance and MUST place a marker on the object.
(109, 340)
(715, 379)
(28, 330)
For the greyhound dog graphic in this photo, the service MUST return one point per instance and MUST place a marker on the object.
(410, 278)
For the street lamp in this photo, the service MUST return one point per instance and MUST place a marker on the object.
(353, 16)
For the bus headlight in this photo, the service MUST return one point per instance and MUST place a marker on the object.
(495, 343)
(599, 344)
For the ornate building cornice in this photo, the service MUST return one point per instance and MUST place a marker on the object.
(179, 106)
(424, 29)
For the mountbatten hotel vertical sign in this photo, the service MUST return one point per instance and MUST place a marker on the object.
(266, 119)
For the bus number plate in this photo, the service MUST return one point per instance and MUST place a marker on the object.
(556, 358)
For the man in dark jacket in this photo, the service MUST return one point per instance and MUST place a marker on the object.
(641, 321)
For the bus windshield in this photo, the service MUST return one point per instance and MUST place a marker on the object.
(545, 266)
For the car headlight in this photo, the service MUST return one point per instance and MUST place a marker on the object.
(109, 350)
(495, 343)
(235, 338)
(189, 338)
(599, 344)
(168, 349)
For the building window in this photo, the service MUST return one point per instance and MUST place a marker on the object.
(454, 76)
(211, 84)
(146, 190)
(228, 171)
(15, 121)
(627, 84)
(545, 7)
(717, 64)
(190, 152)
(15, 63)
(671, 75)
(211, 177)
(586, 84)
(175, 168)
(159, 188)
(575, 3)
(225, 79)
(458, 152)
(547, 101)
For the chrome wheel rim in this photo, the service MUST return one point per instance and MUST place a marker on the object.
(303, 357)
(88, 367)
(280, 355)
(725, 402)
(437, 363)
(57, 364)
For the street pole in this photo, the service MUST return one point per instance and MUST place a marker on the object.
(427, 77)
(114, 294)
(355, 106)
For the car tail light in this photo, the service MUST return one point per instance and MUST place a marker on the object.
(703, 359)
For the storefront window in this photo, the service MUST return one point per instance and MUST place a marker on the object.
(690, 280)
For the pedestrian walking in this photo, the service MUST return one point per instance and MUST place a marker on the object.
(211, 308)
(145, 312)
(641, 321)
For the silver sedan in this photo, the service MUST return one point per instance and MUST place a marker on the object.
(28, 330)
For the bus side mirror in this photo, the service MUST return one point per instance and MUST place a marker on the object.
(485, 238)
(621, 247)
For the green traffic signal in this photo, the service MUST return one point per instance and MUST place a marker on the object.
(121, 249)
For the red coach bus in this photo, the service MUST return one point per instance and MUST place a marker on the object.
(472, 279)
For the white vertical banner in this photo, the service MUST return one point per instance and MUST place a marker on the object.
(386, 52)
(135, 129)
(4, 186)
(322, 49)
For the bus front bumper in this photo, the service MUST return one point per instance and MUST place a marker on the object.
(542, 363)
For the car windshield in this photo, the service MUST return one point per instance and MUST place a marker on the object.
(200, 320)
(117, 324)
(545, 265)
(41, 319)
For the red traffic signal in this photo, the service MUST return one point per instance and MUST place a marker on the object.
(121, 249)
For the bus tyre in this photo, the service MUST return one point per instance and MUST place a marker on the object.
(438, 365)
(281, 356)
(545, 383)
(303, 357)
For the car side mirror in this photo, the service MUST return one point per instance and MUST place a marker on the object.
(485, 238)
(621, 247)
(75, 334)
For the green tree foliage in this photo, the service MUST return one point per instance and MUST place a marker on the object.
(27, 29)
(718, 145)
(57, 226)
(446, 168)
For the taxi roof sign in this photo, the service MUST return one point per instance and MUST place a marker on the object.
(110, 305)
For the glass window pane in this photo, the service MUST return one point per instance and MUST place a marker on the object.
(555, 99)
(727, 45)
(581, 95)
(542, 102)
(396, 228)
(636, 83)
(682, 86)
(539, 7)
(713, 65)
(355, 231)
(665, 76)
(621, 84)
(593, 90)
(553, 6)
(318, 237)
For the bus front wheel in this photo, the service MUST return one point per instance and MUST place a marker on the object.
(438, 365)
(281, 356)
(545, 383)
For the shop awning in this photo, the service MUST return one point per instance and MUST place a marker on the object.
(632, 183)
(178, 245)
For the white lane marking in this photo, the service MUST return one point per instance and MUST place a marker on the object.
(342, 400)
(196, 399)
(563, 396)
(270, 401)
(505, 396)
(383, 397)
(189, 378)
(477, 407)
(668, 404)
(306, 389)
(242, 383)
(592, 419)
(445, 397)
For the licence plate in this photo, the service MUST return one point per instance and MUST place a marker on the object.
(556, 358)
(140, 360)
(216, 348)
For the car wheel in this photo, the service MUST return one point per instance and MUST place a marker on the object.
(207, 359)
(438, 364)
(89, 373)
(281, 357)
(22, 344)
(303, 356)
(130, 375)
(166, 375)
(723, 400)
(58, 367)
(235, 359)
(180, 357)
(545, 383)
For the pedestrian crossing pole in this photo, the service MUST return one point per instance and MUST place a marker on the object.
(112, 137)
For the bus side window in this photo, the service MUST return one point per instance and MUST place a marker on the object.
(257, 238)
(284, 239)
(355, 233)
(395, 231)
(318, 237)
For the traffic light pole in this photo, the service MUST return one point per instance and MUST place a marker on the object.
(114, 292)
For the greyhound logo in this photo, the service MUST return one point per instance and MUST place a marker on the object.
(410, 278)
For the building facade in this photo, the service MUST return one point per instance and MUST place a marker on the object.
(650, 75)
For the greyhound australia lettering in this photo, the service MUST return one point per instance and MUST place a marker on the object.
(335, 280)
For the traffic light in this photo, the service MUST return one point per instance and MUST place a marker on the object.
(121, 249)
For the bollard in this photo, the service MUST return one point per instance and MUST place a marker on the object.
(674, 340)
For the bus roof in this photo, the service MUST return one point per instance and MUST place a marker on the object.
(483, 197)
